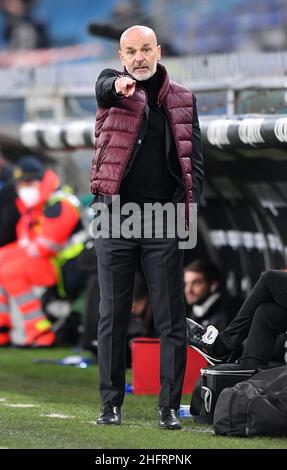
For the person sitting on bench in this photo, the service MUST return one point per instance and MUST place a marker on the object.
(262, 317)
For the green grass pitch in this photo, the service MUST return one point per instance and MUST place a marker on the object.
(45, 406)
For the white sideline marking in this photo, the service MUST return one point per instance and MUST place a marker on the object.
(20, 405)
(57, 415)
(62, 416)
(204, 430)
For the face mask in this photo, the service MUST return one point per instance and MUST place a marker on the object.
(30, 196)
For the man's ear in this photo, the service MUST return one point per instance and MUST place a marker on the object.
(121, 58)
(214, 286)
(158, 53)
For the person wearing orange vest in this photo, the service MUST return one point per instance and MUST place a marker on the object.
(48, 219)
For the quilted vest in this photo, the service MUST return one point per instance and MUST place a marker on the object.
(117, 130)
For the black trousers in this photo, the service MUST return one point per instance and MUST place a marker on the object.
(162, 263)
(262, 317)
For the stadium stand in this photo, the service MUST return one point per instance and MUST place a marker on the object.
(227, 25)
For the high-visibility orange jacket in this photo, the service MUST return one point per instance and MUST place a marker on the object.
(44, 230)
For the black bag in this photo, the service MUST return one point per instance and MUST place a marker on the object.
(214, 379)
(255, 407)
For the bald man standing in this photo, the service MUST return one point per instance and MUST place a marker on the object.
(148, 150)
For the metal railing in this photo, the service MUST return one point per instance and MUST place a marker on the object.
(205, 71)
(254, 131)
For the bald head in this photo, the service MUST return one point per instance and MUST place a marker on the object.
(137, 31)
(139, 51)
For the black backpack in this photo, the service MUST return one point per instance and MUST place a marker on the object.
(254, 407)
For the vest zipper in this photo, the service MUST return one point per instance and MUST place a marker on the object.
(136, 136)
(139, 140)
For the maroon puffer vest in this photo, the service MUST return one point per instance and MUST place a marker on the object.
(117, 129)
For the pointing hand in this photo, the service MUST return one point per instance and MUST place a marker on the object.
(125, 86)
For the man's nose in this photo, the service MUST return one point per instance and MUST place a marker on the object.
(139, 56)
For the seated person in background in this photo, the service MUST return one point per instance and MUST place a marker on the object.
(48, 218)
(262, 317)
(9, 214)
(207, 301)
(22, 29)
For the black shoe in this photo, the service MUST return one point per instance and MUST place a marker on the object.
(202, 340)
(110, 414)
(168, 418)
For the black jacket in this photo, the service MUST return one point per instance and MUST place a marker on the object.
(220, 313)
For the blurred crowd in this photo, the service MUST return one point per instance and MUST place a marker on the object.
(210, 26)
(22, 29)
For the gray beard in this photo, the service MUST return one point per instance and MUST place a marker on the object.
(144, 79)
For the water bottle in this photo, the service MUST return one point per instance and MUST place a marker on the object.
(184, 411)
(76, 361)
(129, 388)
(85, 362)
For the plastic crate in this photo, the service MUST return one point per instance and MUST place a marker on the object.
(146, 367)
